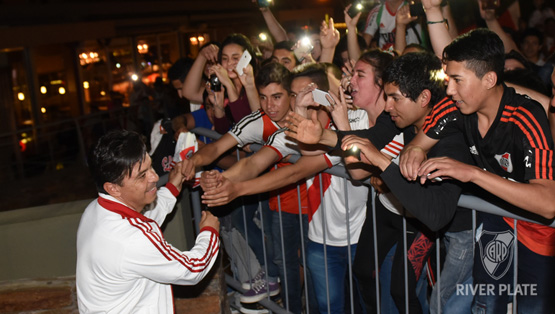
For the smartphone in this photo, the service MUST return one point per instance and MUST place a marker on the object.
(319, 96)
(355, 8)
(489, 4)
(264, 3)
(353, 151)
(303, 48)
(243, 62)
(416, 9)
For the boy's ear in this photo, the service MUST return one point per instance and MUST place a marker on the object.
(489, 79)
(424, 98)
(112, 189)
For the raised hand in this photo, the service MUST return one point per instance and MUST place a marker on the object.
(329, 35)
(210, 53)
(304, 130)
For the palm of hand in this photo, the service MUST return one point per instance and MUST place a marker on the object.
(309, 132)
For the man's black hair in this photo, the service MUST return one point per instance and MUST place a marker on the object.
(315, 71)
(114, 156)
(287, 45)
(180, 69)
(481, 50)
(527, 78)
(273, 72)
(414, 72)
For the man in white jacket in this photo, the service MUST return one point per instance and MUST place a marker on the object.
(124, 264)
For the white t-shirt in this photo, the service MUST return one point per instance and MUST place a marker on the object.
(329, 221)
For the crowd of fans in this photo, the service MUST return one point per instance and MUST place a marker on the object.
(420, 110)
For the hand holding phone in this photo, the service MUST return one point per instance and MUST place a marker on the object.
(303, 48)
(319, 96)
(243, 62)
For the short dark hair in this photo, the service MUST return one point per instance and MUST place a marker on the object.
(515, 55)
(287, 45)
(273, 72)
(180, 69)
(114, 156)
(481, 50)
(379, 60)
(532, 31)
(315, 71)
(414, 72)
(241, 40)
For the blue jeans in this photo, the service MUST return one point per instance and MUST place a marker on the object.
(254, 234)
(338, 264)
(287, 225)
(536, 286)
(457, 269)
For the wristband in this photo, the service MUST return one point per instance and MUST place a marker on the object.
(436, 22)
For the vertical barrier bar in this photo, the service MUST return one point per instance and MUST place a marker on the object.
(349, 262)
(303, 252)
(438, 273)
(515, 265)
(283, 251)
(376, 265)
(323, 207)
(405, 263)
(195, 202)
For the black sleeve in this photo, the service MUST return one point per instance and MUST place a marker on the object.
(434, 204)
(380, 134)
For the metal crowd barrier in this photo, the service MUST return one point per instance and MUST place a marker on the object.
(466, 201)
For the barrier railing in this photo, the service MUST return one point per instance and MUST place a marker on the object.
(466, 201)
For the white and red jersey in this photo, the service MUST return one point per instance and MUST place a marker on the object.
(386, 28)
(254, 128)
(328, 219)
(124, 264)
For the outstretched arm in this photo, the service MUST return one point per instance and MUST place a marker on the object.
(275, 28)
(536, 196)
(193, 87)
(207, 154)
(228, 190)
(437, 27)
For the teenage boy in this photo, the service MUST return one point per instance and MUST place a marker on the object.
(508, 137)
(273, 82)
(124, 264)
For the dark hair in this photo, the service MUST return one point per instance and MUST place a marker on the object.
(414, 72)
(114, 156)
(273, 72)
(527, 78)
(333, 69)
(481, 50)
(515, 55)
(180, 69)
(532, 31)
(241, 40)
(416, 46)
(379, 60)
(287, 45)
(315, 71)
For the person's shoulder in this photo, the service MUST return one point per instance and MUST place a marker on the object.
(514, 102)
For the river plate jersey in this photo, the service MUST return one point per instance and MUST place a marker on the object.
(518, 147)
